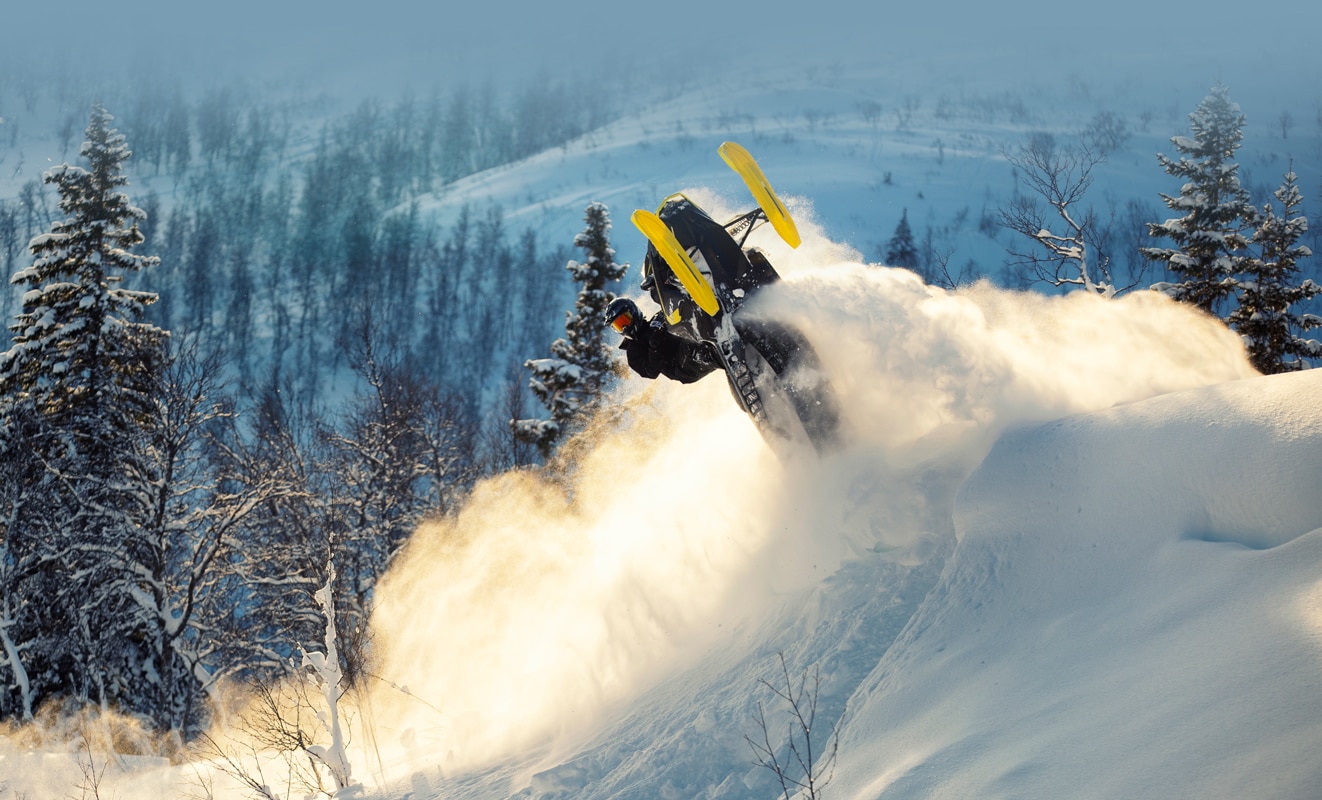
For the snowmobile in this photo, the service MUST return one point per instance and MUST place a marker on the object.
(702, 275)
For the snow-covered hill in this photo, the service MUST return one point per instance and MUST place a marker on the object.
(1133, 610)
(854, 148)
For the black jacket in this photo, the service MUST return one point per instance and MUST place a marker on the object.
(653, 350)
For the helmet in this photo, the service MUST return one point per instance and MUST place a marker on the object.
(622, 314)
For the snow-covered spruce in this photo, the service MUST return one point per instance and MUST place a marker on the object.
(1210, 238)
(571, 382)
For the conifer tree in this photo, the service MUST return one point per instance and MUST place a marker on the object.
(79, 345)
(1268, 289)
(901, 250)
(76, 396)
(1211, 237)
(571, 382)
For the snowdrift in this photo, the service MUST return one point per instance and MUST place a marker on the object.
(1134, 609)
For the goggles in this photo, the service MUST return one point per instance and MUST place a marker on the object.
(622, 321)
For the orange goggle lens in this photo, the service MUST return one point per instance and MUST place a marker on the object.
(622, 321)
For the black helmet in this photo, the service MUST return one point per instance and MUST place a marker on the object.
(622, 314)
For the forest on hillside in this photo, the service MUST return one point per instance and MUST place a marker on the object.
(250, 385)
(277, 237)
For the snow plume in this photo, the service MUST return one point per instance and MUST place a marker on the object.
(536, 609)
(921, 370)
(524, 625)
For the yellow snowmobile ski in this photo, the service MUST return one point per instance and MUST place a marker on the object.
(741, 161)
(663, 239)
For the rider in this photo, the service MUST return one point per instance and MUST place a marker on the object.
(653, 350)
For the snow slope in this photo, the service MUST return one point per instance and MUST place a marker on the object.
(1134, 609)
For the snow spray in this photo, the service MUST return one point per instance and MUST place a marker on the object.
(513, 631)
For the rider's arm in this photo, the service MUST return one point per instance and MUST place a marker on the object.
(637, 351)
(679, 358)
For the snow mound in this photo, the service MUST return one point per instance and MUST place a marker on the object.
(1237, 462)
(1133, 610)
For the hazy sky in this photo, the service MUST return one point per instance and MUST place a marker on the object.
(398, 40)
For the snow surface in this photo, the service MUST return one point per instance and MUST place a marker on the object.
(1133, 610)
